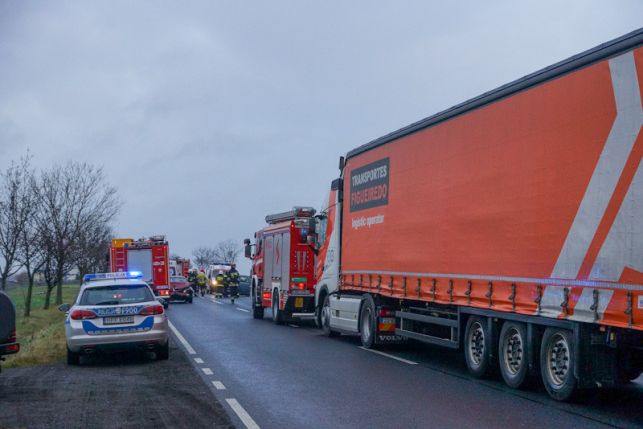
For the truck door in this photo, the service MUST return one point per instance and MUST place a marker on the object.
(277, 256)
(285, 260)
(267, 262)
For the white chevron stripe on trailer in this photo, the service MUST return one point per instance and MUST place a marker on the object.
(618, 147)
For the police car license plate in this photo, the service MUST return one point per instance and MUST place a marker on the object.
(118, 320)
(299, 302)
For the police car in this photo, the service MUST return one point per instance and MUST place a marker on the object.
(115, 311)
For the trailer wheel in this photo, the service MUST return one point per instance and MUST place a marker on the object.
(325, 319)
(557, 363)
(513, 350)
(367, 322)
(277, 317)
(477, 347)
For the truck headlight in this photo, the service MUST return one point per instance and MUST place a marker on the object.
(214, 282)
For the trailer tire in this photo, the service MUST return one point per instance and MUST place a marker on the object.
(477, 347)
(277, 317)
(367, 322)
(557, 363)
(325, 319)
(513, 352)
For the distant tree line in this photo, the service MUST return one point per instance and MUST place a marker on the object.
(225, 252)
(52, 222)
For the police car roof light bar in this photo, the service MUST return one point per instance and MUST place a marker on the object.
(113, 276)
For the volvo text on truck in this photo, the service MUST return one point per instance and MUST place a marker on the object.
(283, 266)
(509, 227)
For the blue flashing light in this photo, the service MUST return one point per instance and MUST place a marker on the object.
(112, 276)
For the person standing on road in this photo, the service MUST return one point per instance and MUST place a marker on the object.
(221, 284)
(201, 281)
(233, 281)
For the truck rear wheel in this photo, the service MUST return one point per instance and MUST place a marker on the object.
(513, 350)
(367, 322)
(557, 363)
(325, 318)
(277, 317)
(477, 347)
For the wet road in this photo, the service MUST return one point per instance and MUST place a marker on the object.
(293, 376)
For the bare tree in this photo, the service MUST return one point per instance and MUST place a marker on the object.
(14, 212)
(92, 249)
(227, 251)
(32, 253)
(75, 198)
(204, 256)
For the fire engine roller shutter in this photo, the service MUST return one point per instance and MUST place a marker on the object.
(7, 317)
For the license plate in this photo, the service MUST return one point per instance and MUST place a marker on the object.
(299, 302)
(118, 320)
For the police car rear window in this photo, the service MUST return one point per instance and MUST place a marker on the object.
(116, 295)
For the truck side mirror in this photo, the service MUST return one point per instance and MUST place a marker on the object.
(247, 248)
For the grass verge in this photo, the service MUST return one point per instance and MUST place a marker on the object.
(42, 334)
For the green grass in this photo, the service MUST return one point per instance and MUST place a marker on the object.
(41, 335)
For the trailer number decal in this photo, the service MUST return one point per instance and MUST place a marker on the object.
(369, 185)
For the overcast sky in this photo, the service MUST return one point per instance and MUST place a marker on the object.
(209, 115)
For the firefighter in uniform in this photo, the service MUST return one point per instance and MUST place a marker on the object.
(233, 282)
(221, 282)
(201, 280)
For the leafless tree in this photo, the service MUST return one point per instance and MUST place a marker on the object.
(227, 251)
(92, 249)
(204, 256)
(75, 198)
(31, 250)
(14, 212)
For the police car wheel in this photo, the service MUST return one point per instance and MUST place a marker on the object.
(73, 358)
(163, 352)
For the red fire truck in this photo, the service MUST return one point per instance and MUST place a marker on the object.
(283, 266)
(179, 267)
(150, 256)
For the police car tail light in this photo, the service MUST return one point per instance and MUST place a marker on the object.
(82, 315)
(151, 310)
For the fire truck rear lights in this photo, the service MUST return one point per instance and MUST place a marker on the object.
(112, 276)
(164, 292)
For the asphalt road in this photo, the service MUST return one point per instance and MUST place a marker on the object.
(293, 376)
(127, 390)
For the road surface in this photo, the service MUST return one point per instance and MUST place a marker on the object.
(292, 376)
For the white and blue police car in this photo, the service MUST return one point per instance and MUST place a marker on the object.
(113, 312)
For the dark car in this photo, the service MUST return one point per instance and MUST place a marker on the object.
(244, 285)
(180, 289)
(8, 342)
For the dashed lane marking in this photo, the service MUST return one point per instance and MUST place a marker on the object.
(218, 385)
(181, 339)
(410, 362)
(207, 371)
(293, 326)
(198, 360)
(243, 309)
(242, 413)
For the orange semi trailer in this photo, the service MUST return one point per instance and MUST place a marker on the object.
(509, 226)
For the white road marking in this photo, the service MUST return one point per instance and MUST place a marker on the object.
(198, 360)
(207, 371)
(216, 302)
(293, 326)
(410, 362)
(218, 385)
(243, 309)
(182, 339)
(242, 414)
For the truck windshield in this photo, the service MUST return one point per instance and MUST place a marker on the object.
(116, 295)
